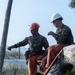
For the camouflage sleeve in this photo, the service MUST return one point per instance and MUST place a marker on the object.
(62, 36)
(45, 43)
(22, 43)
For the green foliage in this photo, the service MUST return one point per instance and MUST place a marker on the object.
(71, 73)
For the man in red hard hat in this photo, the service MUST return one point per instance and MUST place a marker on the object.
(36, 43)
(34, 26)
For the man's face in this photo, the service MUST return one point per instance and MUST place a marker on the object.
(34, 31)
(56, 23)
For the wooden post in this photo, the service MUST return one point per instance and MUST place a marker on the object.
(48, 69)
(5, 33)
(19, 53)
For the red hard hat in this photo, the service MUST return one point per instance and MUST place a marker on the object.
(34, 26)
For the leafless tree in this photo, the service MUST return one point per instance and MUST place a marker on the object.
(72, 4)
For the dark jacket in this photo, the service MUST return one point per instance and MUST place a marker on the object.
(64, 35)
(36, 43)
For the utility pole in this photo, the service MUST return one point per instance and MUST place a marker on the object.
(5, 33)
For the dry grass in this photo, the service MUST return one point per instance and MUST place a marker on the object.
(14, 54)
(14, 70)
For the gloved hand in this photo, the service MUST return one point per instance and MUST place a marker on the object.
(9, 48)
(27, 54)
(51, 33)
(13, 46)
(40, 57)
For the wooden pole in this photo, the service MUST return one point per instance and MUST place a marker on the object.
(46, 72)
(19, 53)
(5, 33)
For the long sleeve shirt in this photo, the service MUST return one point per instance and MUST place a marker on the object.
(36, 43)
(64, 35)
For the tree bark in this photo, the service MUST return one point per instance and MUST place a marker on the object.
(5, 33)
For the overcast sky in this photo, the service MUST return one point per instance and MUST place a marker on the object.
(24, 12)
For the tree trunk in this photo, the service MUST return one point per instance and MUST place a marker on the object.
(5, 32)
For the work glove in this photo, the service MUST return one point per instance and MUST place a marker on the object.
(40, 57)
(51, 33)
(27, 54)
(10, 47)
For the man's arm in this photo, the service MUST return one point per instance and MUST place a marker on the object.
(22, 43)
(62, 36)
(45, 45)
